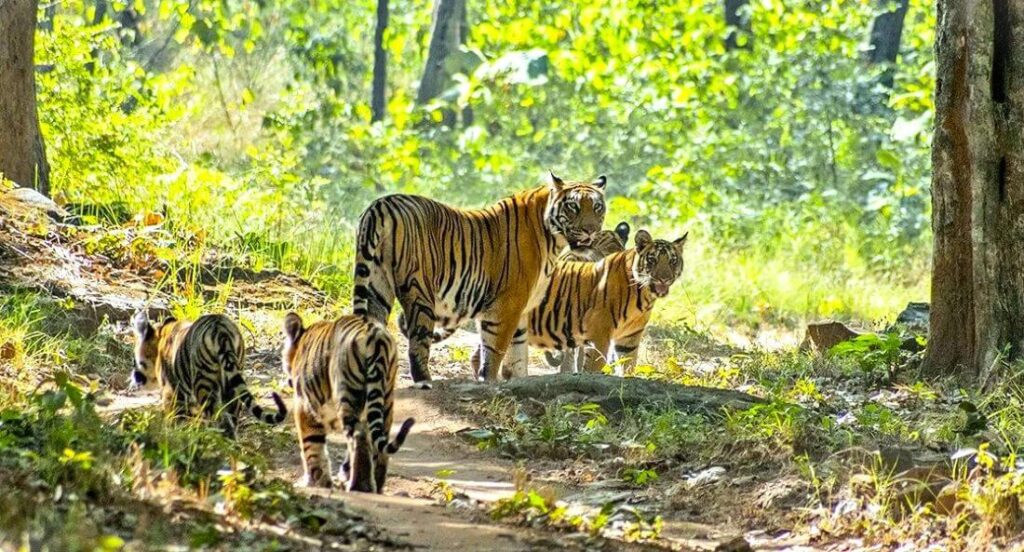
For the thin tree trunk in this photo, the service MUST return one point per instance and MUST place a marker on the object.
(978, 190)
(378, 101)
(884, 40)
(467, 112)
(445, 36)
(22, 154)
(738, 20)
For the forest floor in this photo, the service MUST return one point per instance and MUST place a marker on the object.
(442, 489)
(710, 447)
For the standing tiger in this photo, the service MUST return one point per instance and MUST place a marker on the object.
(605, 243)
(607, 302)
(198, 367)
(446, 265)
(343, 373)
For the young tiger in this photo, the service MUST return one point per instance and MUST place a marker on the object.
(607, 302)
(343, 373)
(447, 265)
(605, 243)
(198, 367)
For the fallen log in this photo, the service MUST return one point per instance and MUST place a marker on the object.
(613, 394)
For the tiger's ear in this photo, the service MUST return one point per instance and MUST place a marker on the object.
(642, 239)
(141, 326)
(554, 182)
(292, 327)
(622, 231)
(680, 243)
(601, 181)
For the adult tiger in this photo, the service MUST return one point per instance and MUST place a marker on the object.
(343, 373)
(446, 265)
(198, 367)
(607, 302)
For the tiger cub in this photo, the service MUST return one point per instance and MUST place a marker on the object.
(198, 368)
(607, 302)
(447, 265)
(343, 373)
(605, 243)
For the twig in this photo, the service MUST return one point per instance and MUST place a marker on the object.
(832, 154)
(223, 100)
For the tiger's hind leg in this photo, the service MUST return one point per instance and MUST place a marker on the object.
(594, 358)
(228, 422)
(590, 361)
(420, 321)
(568, 363)
(316, 465)
(626, 352)
(474, 361)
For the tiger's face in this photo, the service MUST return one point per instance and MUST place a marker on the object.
(605, 243)
(147, 342)
(575, 210)
(658, 263)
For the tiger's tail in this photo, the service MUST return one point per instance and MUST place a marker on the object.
(378, 396)
(235, 388)
(373, 292)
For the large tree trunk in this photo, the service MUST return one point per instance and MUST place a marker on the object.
(378, 101)
(978, 189)
(446, 33)
(884, 41)
(738, 19)
(22, 154)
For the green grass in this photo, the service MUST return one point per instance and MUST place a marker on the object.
(74, 479)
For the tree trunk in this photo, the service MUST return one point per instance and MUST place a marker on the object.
(378, 101)
(738, 19)
(978, 189)
(884, 41)
(22, 154)
(446, 34)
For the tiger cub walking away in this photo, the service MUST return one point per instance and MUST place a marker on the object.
(447, 265)
(607, 302)
(344, 375)
(605, 243)
(198, 368)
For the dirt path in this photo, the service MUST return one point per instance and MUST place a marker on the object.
(410, 510)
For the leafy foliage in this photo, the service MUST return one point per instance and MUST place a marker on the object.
(785, 153)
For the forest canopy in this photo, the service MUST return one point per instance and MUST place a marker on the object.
(212, 110)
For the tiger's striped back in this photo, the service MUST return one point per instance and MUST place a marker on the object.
(198, 367)
(344, 374)
(447, 265)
